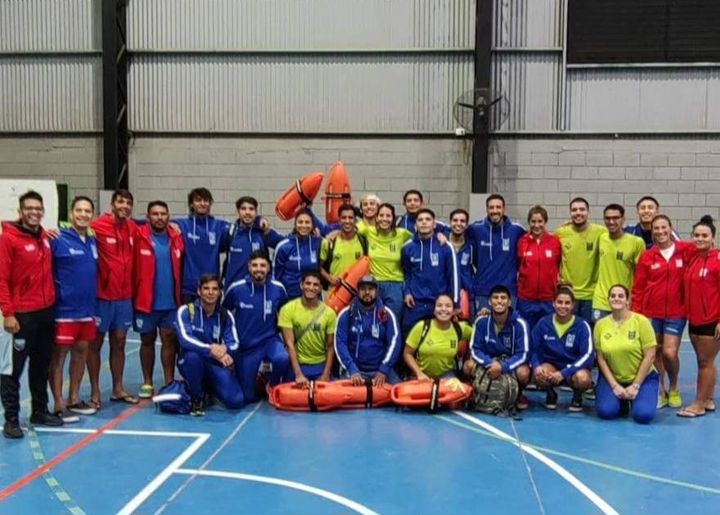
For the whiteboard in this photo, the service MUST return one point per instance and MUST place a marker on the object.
(12, 189)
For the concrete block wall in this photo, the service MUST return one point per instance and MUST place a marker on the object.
(683, 174)
(75, 161)
(167, 168)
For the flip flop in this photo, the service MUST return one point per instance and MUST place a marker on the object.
(95, 404)
(686, 413)
(710, 406)
(127, 399)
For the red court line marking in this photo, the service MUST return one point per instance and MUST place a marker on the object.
(32, 476)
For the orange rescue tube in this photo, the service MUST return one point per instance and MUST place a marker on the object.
(446, 393)
(341, 296)
(299, 196)
(319, 396)
(337, 192)
(464, 305)
(365, 395)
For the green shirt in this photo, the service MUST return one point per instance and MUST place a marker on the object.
(623, 345)
(579, 258)
(345, 254)
(385, 253)
(616, 265)
(438, 351)
(560, 328)
(311, 348)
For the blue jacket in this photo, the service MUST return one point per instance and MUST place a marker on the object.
(75, 271)
(496, 258)
(256, 308)
(637, 230)
(243, 241)
(293, 257)
(513, 342)
(205, 237)
(367, 341)
(407, 221)
(430, 269)
(196, 331)
(570, 353)
(465, 258)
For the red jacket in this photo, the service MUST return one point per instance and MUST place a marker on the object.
(538, 267)
(144, 267)
(658, 287)
(115, 243)
(26, 278)
(702, 288)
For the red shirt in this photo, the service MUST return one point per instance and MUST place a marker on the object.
(658, 289)
(26, 278)
(144, 267)
(538, 267)
(115, 240)
(702, 288)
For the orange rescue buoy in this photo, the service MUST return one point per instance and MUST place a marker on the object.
(439, 393)
(341, 296)
(299, 196)
(326, 396)
(365, 395)
(337, 192)
(464, 305)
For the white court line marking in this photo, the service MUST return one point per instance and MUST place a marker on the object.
(124, 432)
(339, 499)
(567, 476)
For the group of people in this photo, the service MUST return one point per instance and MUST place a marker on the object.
(534, 299)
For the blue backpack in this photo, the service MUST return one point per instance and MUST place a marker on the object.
(173, 398)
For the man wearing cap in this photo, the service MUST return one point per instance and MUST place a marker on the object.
(366, 337)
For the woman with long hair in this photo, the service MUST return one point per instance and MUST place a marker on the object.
(297, 254)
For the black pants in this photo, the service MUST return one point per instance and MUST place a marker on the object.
(37, 328)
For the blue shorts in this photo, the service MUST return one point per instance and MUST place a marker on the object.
(672, 327)
(149, 322)
(114, 315)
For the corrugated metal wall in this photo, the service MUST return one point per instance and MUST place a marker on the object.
(50, 66)
(341, 66)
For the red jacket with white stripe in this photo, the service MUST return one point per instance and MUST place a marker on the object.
(26, 278)
(144, 267)
(115, 241)
(702, 288)
(658, 289)
(538, 267)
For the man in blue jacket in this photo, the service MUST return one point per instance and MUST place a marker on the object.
(255, 301)
(501, 342)
(367, 341)
(430, 269)
(207, 336)
(562, 351)
(496, 239)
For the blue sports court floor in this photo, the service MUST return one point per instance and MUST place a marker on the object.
(258, 460)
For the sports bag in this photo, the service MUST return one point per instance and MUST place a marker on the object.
(173, 398)
(493, 396)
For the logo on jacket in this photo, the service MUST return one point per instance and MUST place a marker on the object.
(76, 252)
(570, 340)
(30, 247)
(242, 305)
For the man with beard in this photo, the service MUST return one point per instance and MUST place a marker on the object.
(366, 337)
(157, 270)
(464, 250)
(255, 301)
(340, 253)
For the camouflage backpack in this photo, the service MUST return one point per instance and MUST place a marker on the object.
(493, 396)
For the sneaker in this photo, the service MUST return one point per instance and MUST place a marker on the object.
(82, 408)
(12, 430)
(576, 404)
(551, 399)
(565, 388)
(674, 399)
(146, 391)
(45, 418)
(662, 400)
(522, 402)
(589, 394)
(67, 416)
(196, 408)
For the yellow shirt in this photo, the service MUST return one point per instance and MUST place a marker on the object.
(616, 265)
(311, 348)
(439, 349)
(579, 258)
(623, 345)
(385, 252)
(561, 329)
(345, 254)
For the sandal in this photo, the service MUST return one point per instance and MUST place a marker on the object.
(710, 406)
(127, 399)
(688, 413)
(97, 404)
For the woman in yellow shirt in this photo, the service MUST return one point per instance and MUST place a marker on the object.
(625, 345)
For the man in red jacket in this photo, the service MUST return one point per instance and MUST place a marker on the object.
(27, 295)
(115, 234)
(157, 281)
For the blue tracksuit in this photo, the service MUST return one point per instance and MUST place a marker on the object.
(430, 269)
(196, 331)
(256, 308)
(293, 257)
(496, 258)
(637, 230)
(205, 237)
(75, 271)
(407, 221)
(466, 265)
(367, 341)
(569, 353)
(243, 241)
(512, 344)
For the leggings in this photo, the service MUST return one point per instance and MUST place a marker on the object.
(643, 408)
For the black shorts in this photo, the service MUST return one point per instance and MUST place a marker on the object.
(703, 330)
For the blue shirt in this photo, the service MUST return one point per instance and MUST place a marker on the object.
(164, 286)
